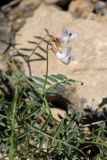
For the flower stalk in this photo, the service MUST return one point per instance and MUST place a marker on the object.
(47, 63)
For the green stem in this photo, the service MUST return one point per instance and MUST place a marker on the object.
(47, 62)
(13, 124)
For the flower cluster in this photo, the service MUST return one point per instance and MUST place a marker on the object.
(63, 53)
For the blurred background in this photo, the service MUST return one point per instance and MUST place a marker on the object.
(13, 13)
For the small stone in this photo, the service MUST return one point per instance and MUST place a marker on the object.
(58, 114)
(100, 8)
(80, 8)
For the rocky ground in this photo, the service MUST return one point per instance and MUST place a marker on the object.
(23, 22)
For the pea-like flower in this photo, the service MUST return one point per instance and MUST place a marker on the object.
(67, 36)
(65, 55)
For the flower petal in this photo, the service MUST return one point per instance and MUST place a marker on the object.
(67, 36)
(65, 56)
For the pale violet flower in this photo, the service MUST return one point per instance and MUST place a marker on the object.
(60, 49)
(67, 36)
(65, 56)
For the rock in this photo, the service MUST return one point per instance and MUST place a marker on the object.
(59, 2)
(89, 49)
(94, 1)
(24, 9)
(66, 99)
(51, 1)
(57, 114)
(13, 18)
(4, 31)
(2, 64)
(100, 8)
(27, 3)
(98, 18)
(80, 8)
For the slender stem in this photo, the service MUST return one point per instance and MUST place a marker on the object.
(13, 123)
(47, 62)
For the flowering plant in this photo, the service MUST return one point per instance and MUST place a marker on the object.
(63, 53)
